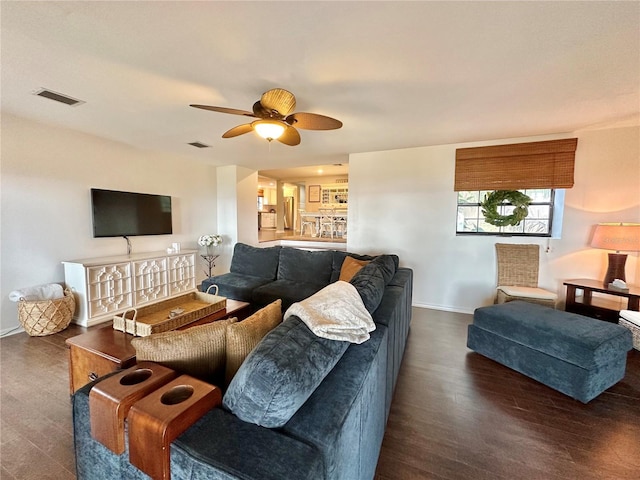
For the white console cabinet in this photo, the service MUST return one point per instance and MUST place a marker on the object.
(108, 285)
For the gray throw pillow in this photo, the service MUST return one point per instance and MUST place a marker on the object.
(387, 264)
(254, 261)
(370, 283)
(281, 373)
(305, 266)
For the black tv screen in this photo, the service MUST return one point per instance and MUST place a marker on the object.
(124, 214)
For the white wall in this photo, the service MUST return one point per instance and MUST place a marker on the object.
(47, 173)
(402, 201)
(237, 213)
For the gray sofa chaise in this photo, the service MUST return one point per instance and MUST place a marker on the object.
(300, 406)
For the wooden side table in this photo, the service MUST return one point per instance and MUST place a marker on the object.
(104, 350)
(603, 308)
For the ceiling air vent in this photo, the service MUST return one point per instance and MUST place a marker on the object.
(199, 145)
(58, 97)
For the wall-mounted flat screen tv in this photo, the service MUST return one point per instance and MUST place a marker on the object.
(124, 214)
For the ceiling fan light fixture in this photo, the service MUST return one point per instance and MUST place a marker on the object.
(269, 129)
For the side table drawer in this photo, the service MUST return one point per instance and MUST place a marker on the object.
(594, 311)
(86, 366)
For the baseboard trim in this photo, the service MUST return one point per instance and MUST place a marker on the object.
(444, 308)
(11, 331)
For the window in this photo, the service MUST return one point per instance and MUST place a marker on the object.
(538, 222)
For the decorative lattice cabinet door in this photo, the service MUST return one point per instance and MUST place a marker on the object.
(109, 288)
(182, 273)
(150, 280)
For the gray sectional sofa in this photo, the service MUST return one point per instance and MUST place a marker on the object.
(301, 406)
(261, 275)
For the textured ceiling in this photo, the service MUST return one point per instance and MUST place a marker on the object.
(398, 74)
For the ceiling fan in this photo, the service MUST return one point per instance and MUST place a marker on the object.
(276, 122)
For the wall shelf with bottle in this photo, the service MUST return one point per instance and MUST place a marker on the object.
(335, 195)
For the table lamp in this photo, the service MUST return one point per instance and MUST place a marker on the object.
(618, 237)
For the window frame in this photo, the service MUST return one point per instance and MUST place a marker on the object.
(551, 204)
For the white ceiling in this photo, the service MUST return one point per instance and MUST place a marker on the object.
(398, 74)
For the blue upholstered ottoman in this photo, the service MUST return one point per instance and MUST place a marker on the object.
(576, 355)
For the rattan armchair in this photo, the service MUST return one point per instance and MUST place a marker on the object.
(518, 275)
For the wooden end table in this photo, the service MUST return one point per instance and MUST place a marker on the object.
(602, 308)
(104, 350)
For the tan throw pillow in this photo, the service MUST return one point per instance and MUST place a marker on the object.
(197, 351)
(350, 267)
(242, 337)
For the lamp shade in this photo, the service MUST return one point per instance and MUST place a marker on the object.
(623, 237)
(268, 129)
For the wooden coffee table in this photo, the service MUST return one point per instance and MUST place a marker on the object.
(104, 350)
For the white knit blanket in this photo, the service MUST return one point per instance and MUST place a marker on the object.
(49, 291)
(336, 312)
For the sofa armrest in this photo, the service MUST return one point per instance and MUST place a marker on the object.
(220, 445)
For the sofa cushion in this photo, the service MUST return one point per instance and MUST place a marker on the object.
(287, 290)
(198, 351)
(257, 262)
(338, 260)
(281, 373)
(304, 266)
(388, 265)
(350, 267)
(242, 337)
(369, 283)
(219, 446)
(350, 401)
(235, 285)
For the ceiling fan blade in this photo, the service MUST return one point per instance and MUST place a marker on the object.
(290, 137)
(239, 130)
(259, 111)
(313, 121)
(280, 100)
(233, 111)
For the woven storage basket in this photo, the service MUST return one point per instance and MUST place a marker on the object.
(635, 331)
(46, 317)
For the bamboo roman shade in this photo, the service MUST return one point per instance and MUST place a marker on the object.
(547, 164)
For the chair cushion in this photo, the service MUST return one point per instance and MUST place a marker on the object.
(242, 337)
(528, 292)
(197, 351)
(281, 373)
(631, 316)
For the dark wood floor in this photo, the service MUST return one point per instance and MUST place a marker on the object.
(458, 415)
(455, 415)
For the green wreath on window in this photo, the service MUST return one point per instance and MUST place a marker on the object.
(492, 200)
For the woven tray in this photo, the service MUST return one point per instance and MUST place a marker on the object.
(635, 331)
(158, 317)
